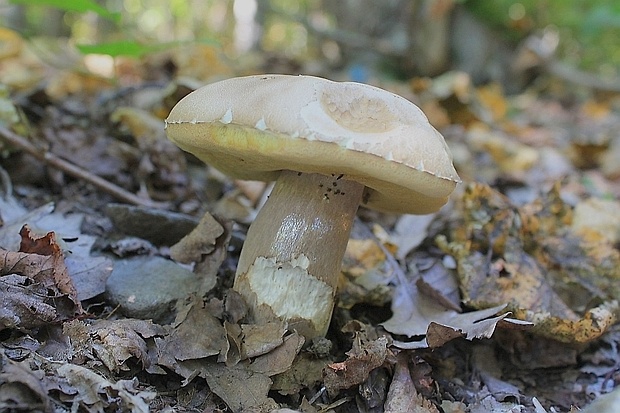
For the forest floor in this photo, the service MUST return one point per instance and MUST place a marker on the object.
(504, 301)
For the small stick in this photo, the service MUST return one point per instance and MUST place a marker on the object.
(76, 171)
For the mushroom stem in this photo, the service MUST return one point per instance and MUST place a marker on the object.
(290, 262)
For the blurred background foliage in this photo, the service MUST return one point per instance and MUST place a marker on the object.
(362, 38)
(589, 30)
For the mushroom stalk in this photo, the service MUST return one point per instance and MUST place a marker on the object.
(290, 262)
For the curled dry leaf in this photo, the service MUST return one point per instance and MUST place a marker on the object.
(52, 273)
(35, 288)
(415, 314)
(592, 325)
(201, 241)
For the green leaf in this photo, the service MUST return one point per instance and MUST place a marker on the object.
(120, 48)
(130, 48)
(80, 6)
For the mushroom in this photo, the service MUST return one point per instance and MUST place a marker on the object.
(329, 147)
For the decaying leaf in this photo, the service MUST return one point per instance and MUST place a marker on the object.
(403, 396)
(279, 359)
(365, 356)
(97, 394)
(241, 389)
(21, 388)
(591, 325)
(25, 305)
(516, 279)
(305, 372)
(366, 280)
(114, 342)
(531, 259)
(88, 273)
(34, 284)
(197, 334)
(257, 340)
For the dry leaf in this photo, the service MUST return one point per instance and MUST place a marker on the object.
(598, 215)
(279, 359)
(364, 357)
(199, 242)
(88, 273)
(241, 388)
(96, 394)
(592, 325)
(402, 396)
(58, 277)
(197, 334)
(409, 232)
(530, 258)
(305, 372)
(440, 284)
(491, 99)
(510, 156)
(25, 305)
(260, 339)
(21, 387)
(20, 68)
(365, 280)
(116, 341)
(34, 285)
(417, 315)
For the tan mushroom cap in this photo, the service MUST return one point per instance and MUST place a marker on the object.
(253, 127)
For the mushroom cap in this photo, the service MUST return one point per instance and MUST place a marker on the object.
(253, 127)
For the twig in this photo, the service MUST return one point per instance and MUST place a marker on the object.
(76, 171)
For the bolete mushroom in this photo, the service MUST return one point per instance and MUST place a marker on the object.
(330, 147)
